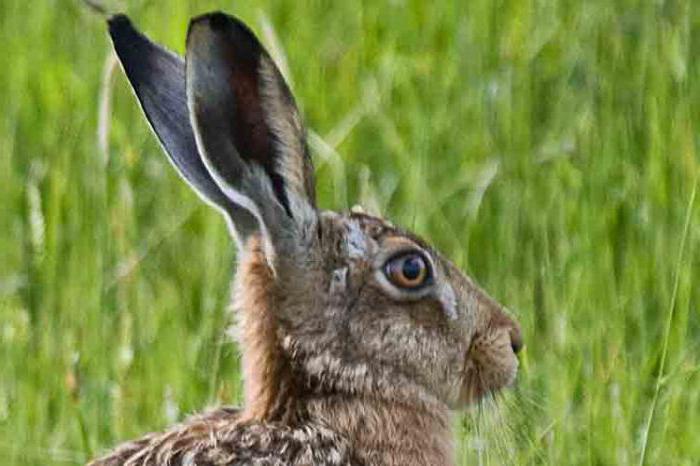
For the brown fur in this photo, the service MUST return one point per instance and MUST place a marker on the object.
(385, 433)
(269, 385)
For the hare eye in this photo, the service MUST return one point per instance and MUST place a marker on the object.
(409, 271)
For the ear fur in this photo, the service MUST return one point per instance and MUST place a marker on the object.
(157, 77)
(247, 126)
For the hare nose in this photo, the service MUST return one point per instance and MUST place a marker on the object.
(505, 323)
(516, 338)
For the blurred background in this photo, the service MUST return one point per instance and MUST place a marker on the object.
(550, 147)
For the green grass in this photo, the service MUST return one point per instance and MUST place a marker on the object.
(549, 147)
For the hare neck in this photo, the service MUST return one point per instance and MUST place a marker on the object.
(269, 386)
(386, 433)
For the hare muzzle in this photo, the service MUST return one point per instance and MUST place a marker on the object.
(491, 362)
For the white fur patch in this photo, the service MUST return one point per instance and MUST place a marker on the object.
(339, 281)
(447, 298)
(356, 241)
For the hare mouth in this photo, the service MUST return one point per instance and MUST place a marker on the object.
(490, 366)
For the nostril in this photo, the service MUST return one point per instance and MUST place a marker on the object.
(516, 339)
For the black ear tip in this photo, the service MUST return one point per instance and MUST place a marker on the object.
(217, 21)
(220, 22)
(120, 26)
(233, 32)
(118, 21)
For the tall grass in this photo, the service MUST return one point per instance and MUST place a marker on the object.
(548, 146)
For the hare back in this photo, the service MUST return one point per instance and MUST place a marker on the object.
(221, 438)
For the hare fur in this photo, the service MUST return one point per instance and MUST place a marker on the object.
(358, 338)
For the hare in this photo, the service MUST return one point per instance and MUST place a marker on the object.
(358, 337)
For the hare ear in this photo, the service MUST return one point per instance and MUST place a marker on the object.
(247, 126)
(158, 79)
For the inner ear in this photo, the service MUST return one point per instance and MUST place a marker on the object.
(250, 131)
(244, 115)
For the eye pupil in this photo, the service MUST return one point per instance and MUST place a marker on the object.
(412, 268)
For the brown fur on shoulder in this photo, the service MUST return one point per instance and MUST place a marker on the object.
(165, 448)
(222, 438)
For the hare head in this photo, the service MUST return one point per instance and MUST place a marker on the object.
(359, 306)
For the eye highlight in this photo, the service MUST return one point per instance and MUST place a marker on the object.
(408, 271)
